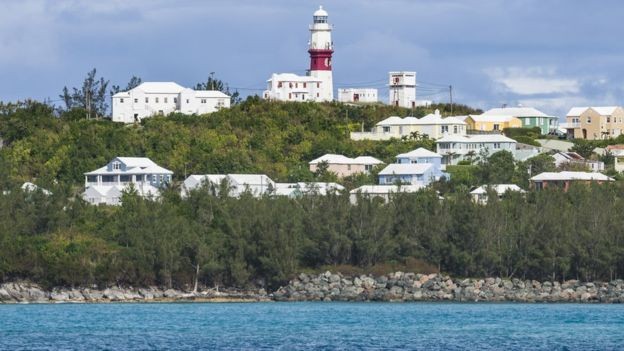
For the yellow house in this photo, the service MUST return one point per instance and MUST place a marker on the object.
(486, 123)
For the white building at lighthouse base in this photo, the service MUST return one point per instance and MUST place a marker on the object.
(292, 87)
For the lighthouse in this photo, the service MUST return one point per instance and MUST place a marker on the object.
(321, 48)
(317, 85)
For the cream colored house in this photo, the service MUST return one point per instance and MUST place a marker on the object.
(595, 123)
(344, 166)
(433, 125)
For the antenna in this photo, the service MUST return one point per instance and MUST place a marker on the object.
(451, 97)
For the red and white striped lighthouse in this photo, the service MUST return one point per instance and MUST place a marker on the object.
(321, 49)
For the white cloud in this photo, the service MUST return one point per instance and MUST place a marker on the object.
(533, 80)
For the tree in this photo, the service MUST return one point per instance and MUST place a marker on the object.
(133, 83)
(217, 84)
(91, 96)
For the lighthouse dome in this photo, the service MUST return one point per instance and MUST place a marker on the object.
(320, 12)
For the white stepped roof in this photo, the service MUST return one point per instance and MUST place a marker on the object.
(291, 77)
(160, 87)
(344, 160)
(406, 168)
(437, 119)
(571, 176)
(491, 118)
(386, 189)
(367, 160)
(420, 152)
(250, 179)
(476, 138)
(498, 188)
(134, 165)
(515, 112)
(602, 110)
(394, 120)
(210, 94)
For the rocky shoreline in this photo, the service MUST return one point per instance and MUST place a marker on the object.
(328, 286)
(401, 286)
(32, 293)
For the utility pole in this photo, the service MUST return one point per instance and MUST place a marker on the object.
(212, 81)
(451, 97)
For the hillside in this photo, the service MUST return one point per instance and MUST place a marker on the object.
(255, 136)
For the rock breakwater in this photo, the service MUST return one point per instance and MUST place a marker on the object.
(401, 286)
(33, 293)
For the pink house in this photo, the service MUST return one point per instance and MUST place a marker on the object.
(344, 166)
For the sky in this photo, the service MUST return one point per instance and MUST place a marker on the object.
(548, 54)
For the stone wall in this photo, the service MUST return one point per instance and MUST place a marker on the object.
(33, 293)
(401, 286)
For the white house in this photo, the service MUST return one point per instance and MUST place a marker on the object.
(433, 125)
(105, 185)
(480, 194)
(455, 148)
(161, 98)
(318, 84)
(311, 188)
(256, 184)
(568, 157)
(563, 180)
(344, 166)
(354, 95)
(381, 191)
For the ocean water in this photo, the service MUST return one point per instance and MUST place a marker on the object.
(304, 326)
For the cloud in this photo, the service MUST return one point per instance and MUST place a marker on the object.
(533, 81)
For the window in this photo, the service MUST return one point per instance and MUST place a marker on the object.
(305, 85)
(279, 84)
(526, 121)
(147, 100)
(455, 129)
(136, 101)
(386, 129)
(175, 100)
(317, 94)
(156, 99)
(165, 99)
(187, 101)
(289, 96)
(368, 168)
(296, 85)
(588, 119)
(154, 178)
(124, 178)
(203, 101)
(161, 178)
(414, 161)
(444, 129)
(497, 127)
(348, 167)
(608, 117)
(318, 85)
(497, 145)
(121, 101)
(116, 166)
(290, 85)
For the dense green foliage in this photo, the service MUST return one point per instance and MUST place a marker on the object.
(236, 242)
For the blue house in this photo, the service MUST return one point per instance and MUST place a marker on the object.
(407, 173)
(424, 156)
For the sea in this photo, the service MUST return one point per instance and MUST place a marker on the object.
(312, 326)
